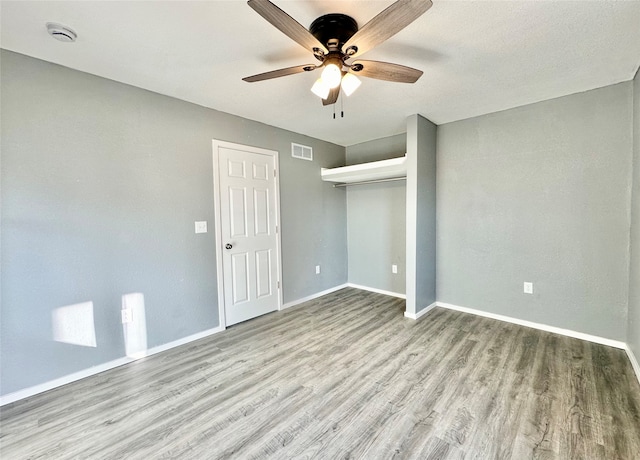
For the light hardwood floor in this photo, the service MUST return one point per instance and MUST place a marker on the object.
(346, 376)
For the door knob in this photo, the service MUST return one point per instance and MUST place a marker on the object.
(228, 246)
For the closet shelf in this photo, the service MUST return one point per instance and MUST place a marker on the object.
(375, 170)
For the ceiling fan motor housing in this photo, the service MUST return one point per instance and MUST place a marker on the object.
(334, 26)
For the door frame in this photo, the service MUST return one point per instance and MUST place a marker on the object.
(216, 144)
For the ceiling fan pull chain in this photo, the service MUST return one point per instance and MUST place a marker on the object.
(341, 105)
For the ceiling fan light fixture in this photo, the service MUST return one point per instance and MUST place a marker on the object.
(334, 39)
(331, 75)
(320, 88)
(350, 83)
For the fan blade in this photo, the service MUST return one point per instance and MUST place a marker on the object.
(386, 24)
(286, 24)
(385, 71)
(280, 73)
(332, 97)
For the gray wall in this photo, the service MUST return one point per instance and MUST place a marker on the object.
(540, 193)
(421, 213)
(101, 185)
(633, 330)
(376, 220)
(377, 149)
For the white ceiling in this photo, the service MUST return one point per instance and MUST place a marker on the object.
(477, 56)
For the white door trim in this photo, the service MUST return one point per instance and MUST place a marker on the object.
(216, 144)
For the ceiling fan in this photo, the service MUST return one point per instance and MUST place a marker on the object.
(335, 40)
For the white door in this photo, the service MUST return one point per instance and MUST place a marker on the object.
(247, 236)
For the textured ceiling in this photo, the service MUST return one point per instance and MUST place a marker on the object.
(477, 56)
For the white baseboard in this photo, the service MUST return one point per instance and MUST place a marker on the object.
(542, 327)
(379, 291)
(313, 296)
(422, 312)
(41, 388)
(634, 362)
(51, 384)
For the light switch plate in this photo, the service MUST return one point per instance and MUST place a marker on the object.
(201, 226)
(394, 268)
(528, 288)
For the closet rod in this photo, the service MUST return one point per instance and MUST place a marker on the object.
(370, 181)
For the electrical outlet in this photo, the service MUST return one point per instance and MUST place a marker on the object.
(528, 288)
(394, 268)
(317, 269)
(127, 315)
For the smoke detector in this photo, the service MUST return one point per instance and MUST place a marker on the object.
(60, 32)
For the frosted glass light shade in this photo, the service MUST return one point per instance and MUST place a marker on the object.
(331, 75)
(320, 88)
(350, 83)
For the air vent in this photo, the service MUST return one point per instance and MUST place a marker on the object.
(301, 151)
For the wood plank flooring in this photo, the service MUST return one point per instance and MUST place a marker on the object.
(346, 376)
